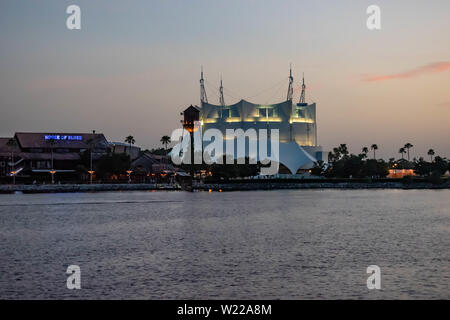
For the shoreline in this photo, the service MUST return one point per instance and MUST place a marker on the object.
(241, 186)
(321, 185)
(64, 188)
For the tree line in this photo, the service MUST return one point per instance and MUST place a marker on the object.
(343, 164)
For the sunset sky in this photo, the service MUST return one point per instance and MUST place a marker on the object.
(135, 65)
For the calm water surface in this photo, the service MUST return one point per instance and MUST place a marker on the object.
(264, 244)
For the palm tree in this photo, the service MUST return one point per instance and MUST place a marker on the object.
(364, 152)
(165, 140)
(130, 140)
(431, 154)
(402, 151)
(407, 147)
(374, 147)
(12, 143)
(343, 150)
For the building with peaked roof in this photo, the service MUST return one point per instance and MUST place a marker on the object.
(296, 122)
(122, 147)
(149, 167)
(6, 153)
(35, 153)
(147, 161)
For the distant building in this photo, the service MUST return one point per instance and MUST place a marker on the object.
(400, 173)
(122, 147)
(147, 161)
(6, 152)
(296, 122)
(153, 168)
(34, 152)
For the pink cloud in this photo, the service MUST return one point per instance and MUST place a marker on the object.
(434, 67)
(445, 104)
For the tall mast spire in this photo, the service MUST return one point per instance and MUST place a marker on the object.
(203, 97)
(290, 88)
(302, 96)
(221, 99)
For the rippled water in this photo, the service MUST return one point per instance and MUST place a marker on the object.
(263, 244)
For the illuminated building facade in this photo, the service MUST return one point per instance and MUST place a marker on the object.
(296, 123)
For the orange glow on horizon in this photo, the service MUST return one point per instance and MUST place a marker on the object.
(434, 67)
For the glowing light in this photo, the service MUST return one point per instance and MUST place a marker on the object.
(233, 119)
(62, 137)
(270, 120)
(301, 120)
(400, 173)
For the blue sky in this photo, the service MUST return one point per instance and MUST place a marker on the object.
(135, 64)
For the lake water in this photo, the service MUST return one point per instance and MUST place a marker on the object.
(289, 244)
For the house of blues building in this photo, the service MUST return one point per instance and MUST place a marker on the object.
(35, 154)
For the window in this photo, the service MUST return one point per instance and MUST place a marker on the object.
(225, 113)
(230, 113)
(42, 164)
(234, 113)
(267, 112)
(301, 113)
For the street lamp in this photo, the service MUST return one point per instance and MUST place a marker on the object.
(52, 172)
(91, 172)
(13, 173)
(129, 175)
